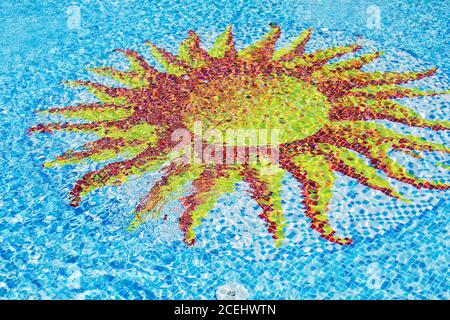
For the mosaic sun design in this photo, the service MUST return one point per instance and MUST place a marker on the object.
(322, 110)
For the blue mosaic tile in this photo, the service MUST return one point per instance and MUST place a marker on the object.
(52, 250)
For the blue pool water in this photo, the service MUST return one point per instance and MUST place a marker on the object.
(49, 250)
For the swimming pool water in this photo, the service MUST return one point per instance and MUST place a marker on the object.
(49, 250)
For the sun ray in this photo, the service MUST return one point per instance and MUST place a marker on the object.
(296, 47)
(169, 187)
(169, 61)
(351, 64)
(340, 83)
(129, 78)
(384, 92)
(353, 166)
(262, 49)
(317, 180)
(192, 53)
(370, 132)
(138, 63)
(100, 150)
(398, 172)
(124, 129)
(117, 173)
(113, 174)
(208, 188)
(224, 45)
(357, 108)
(265, 181)
(91, 127)
(317, 59)
(377, 144)
(93, 112)
(105, 94)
